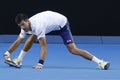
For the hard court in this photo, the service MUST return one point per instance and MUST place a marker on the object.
(60, 64)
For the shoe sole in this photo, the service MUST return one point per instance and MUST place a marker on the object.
(107, 66)
(12, 64)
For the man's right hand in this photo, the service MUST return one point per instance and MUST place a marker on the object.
(6, 57)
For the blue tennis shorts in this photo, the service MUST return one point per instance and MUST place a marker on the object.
(66, 35)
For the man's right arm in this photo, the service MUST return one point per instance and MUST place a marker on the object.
(15, 44)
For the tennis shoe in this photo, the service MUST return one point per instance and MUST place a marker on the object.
(104, 65)
(17, 63)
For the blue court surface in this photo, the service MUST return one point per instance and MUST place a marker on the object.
(62, 65)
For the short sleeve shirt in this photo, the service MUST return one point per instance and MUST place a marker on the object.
(45, 22)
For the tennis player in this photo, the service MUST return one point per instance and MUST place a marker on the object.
(38, 26)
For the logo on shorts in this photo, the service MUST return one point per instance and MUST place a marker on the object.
(69, 41)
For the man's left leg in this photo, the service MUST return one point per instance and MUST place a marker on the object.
(76, 51)
(85, 54)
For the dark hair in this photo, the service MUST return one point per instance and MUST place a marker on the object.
(19, 17)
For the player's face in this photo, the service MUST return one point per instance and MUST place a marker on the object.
(25, 25)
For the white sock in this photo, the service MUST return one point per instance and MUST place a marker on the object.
(21, 55)
(95, 59)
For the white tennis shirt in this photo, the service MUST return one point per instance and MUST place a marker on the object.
(45, 22)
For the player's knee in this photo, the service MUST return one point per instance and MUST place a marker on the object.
(72, 49)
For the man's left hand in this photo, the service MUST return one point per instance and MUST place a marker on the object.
(38, 66)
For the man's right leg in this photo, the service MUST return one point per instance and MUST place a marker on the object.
(26, 47)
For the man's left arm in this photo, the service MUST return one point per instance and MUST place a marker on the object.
(42, 42)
